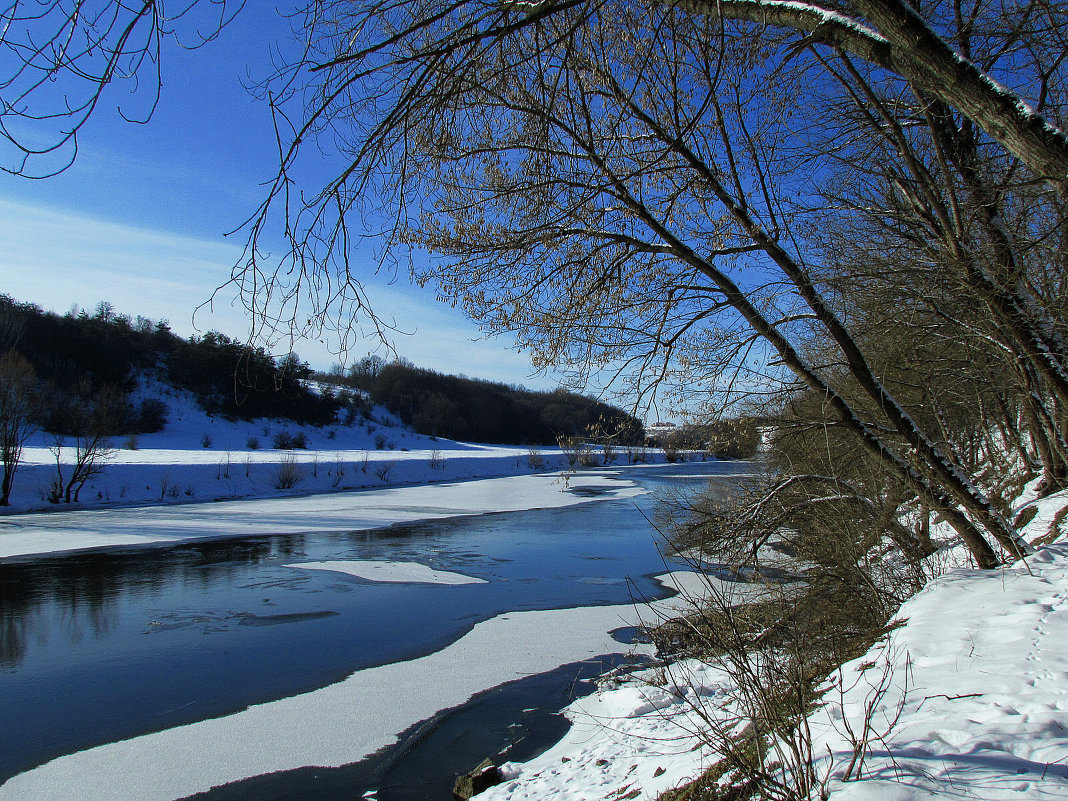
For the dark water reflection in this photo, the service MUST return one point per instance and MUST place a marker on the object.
(104, 645)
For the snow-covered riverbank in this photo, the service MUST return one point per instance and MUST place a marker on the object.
(974, 707)
(974, 704)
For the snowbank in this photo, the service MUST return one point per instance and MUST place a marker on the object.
(967, 700)
(978, 687)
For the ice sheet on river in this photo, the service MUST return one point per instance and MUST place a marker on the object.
(332, 726)
(27, 534)
(391, 572)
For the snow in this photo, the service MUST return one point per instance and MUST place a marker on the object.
(392, 572)
(826, 16)
(173, 488)
(24, 534)
(980, 676)
(332, 726)
(637, 737)
(968, 700)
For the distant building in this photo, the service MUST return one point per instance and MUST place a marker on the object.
(658, 431)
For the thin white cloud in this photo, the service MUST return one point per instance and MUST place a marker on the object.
(56, 259)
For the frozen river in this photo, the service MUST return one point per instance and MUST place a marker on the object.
(104, 645)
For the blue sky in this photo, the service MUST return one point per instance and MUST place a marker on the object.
(139, 219)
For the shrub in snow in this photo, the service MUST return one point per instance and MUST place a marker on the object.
(253, 443)
(86, 458)
(286, 440)
(338, 472)
(637, 455)
(609, 453)
(151, 416)
(289, 474)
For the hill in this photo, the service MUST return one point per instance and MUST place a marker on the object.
(90, 371)
(474, 410)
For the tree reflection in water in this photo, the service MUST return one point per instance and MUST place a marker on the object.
(80, 591)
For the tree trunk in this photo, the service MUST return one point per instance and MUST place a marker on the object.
(903, 43)
(952, 486)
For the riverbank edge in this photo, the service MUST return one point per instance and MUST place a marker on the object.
(970, 641)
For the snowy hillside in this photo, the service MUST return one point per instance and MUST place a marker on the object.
(199, 457)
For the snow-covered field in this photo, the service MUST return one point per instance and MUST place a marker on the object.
(198, 458)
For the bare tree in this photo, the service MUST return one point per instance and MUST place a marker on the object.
(63, 57)
(91, 449)
(951, 224)
(18, 384)
(599, 183)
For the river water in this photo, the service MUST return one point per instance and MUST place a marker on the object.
(104, 645)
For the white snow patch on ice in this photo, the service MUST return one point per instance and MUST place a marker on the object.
(391, 572)
(333, 726)
(24, 534)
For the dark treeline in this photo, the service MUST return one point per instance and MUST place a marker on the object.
(86, 364)
(482, 411)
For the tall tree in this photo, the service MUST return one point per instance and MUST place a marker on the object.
(627, 185)
(611, 184)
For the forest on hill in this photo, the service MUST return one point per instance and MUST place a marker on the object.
(462, 408)
(83, 370)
